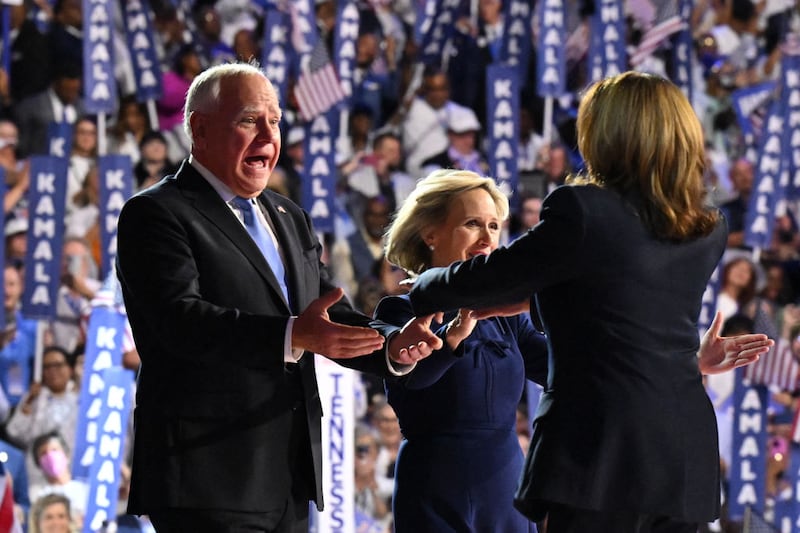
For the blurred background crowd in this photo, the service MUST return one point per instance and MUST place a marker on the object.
(403, 122)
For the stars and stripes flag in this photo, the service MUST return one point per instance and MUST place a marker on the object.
(318, 88)
(667, 20)
(778, 367)
(8, 518)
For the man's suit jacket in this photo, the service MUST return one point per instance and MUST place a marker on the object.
(624, 422)
(33, 115)
(214, 404)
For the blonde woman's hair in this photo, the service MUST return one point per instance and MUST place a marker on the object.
(638, 133)
(427, 206)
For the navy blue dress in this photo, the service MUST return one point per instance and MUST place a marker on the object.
(461, 461)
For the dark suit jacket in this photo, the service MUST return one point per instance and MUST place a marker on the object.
(214, 404)
(624, 422)
(33, 115)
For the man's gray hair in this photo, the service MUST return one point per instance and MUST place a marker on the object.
(203, 94)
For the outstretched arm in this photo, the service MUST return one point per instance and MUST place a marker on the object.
(721, 354)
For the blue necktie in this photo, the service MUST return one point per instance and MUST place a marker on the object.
(264, 241)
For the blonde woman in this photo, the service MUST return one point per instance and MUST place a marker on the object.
(461, 459)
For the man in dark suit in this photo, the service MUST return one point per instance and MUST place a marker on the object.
(228, 413)
(59, 103)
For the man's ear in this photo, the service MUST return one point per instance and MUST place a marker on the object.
(197, 124)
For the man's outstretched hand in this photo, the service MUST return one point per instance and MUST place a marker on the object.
(314, 331)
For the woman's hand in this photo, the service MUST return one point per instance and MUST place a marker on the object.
(460, 328)
(721, 354)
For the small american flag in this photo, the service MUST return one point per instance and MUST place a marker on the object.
(667, 21)
(318, 88)
(8, 518)
(777, 367)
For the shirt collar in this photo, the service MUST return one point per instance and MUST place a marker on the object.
(223, 190)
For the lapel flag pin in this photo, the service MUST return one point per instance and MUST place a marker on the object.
(281, 209)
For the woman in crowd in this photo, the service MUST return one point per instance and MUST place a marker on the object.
(624, 437)
(51, 514)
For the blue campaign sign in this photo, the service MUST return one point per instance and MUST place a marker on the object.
(46, 201)
(768, 187)
(319, 176)
(116, 186)
(607, 54)
(103, 351)
(104, 476)
(683, 53)
(277, 50)
(142, 46)
(748, 457)
(551, 62)
(99, 83)
(516, 46)
(59, 139)
(502, 123)
(344, 52)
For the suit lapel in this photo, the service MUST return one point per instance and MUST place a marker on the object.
(210, 206)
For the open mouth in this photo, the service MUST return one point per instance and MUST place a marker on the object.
(256, 161)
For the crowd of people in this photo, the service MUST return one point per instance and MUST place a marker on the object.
(404, 123)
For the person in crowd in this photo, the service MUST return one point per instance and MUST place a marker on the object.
(375, 76)
(530, 208)
(18, 343)
(154, 163)
(186, 65)
(83, 218)
(65, 36)
(127, 132)
(245, 45)
(30, 66)
(424, 125)
(52, 456)
(380, 172)
(60, 102)
(17, 171)
(738, 281)
(735, 210)
(383, 417)
(353, 258)
(360, 130)
(624, 254)
(51, 405)
(461, 402)
(214, 50)
(51, 514)
(552, 168)
(477, 44)
(291, 164)
(462, 136)
(368, 500)
(16, 240)
(82, 157)
(228, 302)
(79, 281)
